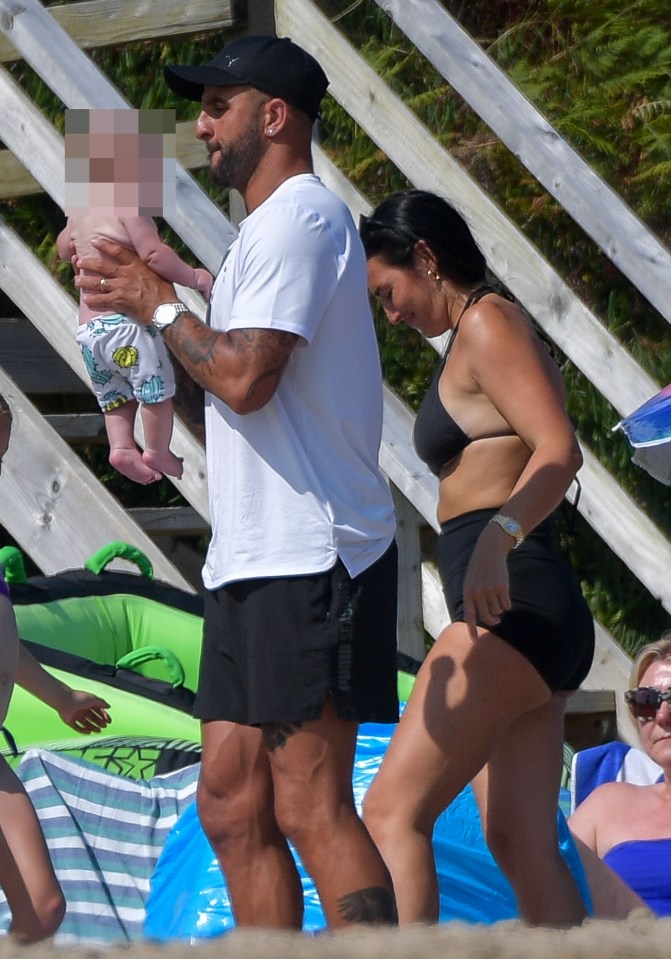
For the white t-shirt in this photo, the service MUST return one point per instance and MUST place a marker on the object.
(296, 484)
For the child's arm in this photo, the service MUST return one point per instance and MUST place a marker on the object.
(78, 709)
(9, 650)
(164, 261)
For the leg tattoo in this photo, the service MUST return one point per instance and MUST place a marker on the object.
(374, 905)
(276, 735)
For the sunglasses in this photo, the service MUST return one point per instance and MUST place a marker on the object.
(644, 701)
(368, 225)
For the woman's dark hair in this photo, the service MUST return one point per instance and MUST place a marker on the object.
(403, 219)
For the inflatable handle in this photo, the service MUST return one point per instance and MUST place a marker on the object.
(118, 550)
(11, 560)
(150, 653)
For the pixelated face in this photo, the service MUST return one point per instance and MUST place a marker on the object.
(119, 162)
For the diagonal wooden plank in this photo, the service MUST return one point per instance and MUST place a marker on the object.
(597, 208)
(52, 505)
(97, 23)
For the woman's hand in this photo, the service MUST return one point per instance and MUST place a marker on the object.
(117, 279)
(84, 712)
(486, 590)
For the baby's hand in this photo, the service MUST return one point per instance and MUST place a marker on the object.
(203, 282)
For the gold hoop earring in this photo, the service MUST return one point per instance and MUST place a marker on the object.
(433, 275)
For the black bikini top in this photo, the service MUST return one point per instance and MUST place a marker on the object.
(436, 437)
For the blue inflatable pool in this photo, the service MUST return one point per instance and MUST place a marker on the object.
(189, 900)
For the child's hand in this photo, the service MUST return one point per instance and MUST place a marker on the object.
(204, 282)
(84, 712)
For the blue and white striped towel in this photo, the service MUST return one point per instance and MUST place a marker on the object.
(105, 834)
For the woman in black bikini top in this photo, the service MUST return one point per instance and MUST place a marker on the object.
(436, 436)
(492, 688)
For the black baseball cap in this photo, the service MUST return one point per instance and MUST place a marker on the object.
(275, 65)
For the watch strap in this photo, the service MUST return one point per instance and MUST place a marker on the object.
(173, 310)
(509, 526)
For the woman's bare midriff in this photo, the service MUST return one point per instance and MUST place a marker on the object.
(482, 476)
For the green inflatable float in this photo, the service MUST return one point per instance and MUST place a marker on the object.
(125, 636)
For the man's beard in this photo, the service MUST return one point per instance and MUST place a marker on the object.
(238, 161)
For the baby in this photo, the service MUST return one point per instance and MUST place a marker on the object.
(122, 151)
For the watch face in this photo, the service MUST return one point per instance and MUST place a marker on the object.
(514, 529)
(510, 526)
(167, 313)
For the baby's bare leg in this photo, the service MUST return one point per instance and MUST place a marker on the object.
(157, 423)
(124, 453)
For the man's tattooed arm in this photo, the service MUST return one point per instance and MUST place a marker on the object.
(242, 368)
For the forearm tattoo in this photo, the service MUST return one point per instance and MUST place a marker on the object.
(194, 346)
(375, 905)
(276, 735)
(199, 348)
(272, 347)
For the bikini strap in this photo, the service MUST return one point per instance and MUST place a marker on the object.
(473, 297)
(483, 290)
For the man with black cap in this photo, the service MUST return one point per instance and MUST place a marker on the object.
(300, 610)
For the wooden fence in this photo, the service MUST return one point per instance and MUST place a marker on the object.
(52, 42)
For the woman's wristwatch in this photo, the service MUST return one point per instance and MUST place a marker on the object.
(510, 526)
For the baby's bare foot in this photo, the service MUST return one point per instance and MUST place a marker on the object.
(164, 461)
(129, 462)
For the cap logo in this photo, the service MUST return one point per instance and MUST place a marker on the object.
(231, 60)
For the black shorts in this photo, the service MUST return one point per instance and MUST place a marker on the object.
(549, 621)
(273, 649)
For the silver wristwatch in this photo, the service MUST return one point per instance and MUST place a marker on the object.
(166, 313)
(511, 527)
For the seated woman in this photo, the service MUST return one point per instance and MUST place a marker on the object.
(629, 826)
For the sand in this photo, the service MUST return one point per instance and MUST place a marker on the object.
(638, 937)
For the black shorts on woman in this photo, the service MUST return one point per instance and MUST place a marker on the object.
(549, 622)
(274, 649)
